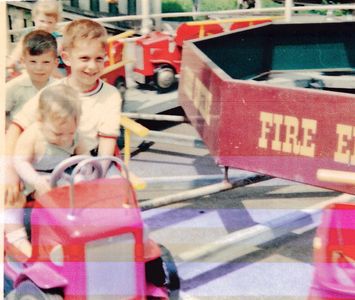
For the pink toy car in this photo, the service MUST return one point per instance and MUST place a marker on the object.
(334, 247)
(334, 254)
(89, 242)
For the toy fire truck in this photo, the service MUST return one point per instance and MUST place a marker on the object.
(158, 54)
(89, 242)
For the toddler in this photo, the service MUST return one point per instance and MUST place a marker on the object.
(41, 147)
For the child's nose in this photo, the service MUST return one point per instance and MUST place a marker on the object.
(92, 65)
(38, 67)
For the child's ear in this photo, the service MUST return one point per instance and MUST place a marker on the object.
(65, 58)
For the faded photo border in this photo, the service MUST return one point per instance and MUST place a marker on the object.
(3, 41)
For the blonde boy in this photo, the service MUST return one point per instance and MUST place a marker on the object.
(39, 56)
(43, 145)
(84, 45)
(46, 14)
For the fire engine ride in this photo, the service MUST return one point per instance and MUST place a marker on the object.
(89, 242)
(284, 131)
(158, 54)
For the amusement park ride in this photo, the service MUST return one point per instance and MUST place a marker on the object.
(158, 54)
(286, 132)
(247, 120)
(291, 131)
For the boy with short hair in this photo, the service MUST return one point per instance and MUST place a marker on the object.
(84, 45)
(39, 56)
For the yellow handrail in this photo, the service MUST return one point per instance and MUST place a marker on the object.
(130, 127)
(121, 35)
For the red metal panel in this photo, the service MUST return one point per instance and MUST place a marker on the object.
(188, 32)
(283, 132)
(198, 84)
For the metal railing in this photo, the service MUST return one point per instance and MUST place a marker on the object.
(286, 10)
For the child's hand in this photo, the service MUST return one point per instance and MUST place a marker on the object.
(13, 187)
(42, 186)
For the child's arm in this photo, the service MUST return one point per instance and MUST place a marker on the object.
(25, 151)
(106, 147)
(81, 148)
(23, 119)
(13, 185)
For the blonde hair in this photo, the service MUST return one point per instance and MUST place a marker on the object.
(83, 29)
(59, 102)
(50, 8)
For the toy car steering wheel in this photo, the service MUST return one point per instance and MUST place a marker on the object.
(87, 167)
(83, 163)
(91, 171)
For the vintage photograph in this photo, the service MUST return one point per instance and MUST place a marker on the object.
(179, 149)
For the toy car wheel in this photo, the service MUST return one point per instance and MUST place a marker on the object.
(172, 278)
(164, 78)
(27, 290)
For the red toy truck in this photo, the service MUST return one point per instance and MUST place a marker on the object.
(89, 242)
(158, 54)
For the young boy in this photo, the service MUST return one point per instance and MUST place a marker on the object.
(39, 57)
(45, 14)
(84, 45)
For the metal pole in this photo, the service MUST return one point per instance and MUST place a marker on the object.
(221, 12)
(198, 192)
(288, 10)
(157, 10)
(155, 117)
(146, 22)
(174, 139)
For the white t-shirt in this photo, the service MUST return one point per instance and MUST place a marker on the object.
(18, 91)
(100, 116)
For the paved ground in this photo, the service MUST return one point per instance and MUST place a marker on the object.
(281, 269)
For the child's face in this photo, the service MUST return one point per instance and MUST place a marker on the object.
(40, 67)
(46, 23)
(58, 132)
(86, 60)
